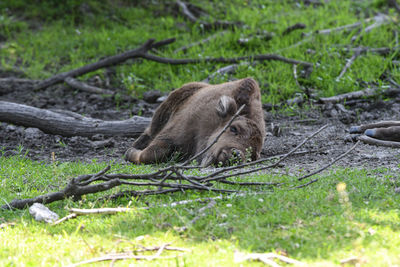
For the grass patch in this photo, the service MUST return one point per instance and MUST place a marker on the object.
(318, 224)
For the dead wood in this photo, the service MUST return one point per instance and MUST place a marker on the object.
(221, 72)
(348, 64)
(67, 125)
(200, 214)
(106, 62)
(261, 57)
(378, 50)
(218, 24)
(377, 21)
(131, 255)
(368, 92)
(142, 52)
(377, 142)
(324, 168)
(86, 88)
(293, 27)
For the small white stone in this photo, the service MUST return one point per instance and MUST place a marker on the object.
(42, 214)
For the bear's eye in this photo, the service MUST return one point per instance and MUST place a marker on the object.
(234, 130)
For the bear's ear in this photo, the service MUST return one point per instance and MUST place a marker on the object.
(245, 91)
(226, 106)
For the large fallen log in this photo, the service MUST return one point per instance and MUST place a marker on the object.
(68, 123)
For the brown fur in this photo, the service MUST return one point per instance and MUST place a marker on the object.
(194, 114)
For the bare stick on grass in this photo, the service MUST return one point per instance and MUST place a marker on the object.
(86, 88)
(348, 64)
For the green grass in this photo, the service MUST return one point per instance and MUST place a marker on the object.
(48, 38)
(318, 225)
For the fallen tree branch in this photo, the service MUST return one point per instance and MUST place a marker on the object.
(377, 142)
(293, 27)
(368, 92)
(142, 52)
(261, 57)
(100, 211)
(221, 72)
(66, 125)
(106, 62)
(378, 19)
(86, 88)
(378, 50)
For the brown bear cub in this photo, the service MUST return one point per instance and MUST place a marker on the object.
(193, 115)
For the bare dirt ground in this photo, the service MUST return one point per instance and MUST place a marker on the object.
(284, 132)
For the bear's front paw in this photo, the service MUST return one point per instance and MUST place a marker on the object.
(132, 155)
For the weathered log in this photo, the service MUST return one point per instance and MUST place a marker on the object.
(67, 125)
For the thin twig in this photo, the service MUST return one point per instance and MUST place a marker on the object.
(125, 256)
(66, 218)
(202, 211)
(293, 27)
(265, 258)
(324, 167)
(86, 88)
(348, 64)
(100, 211)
